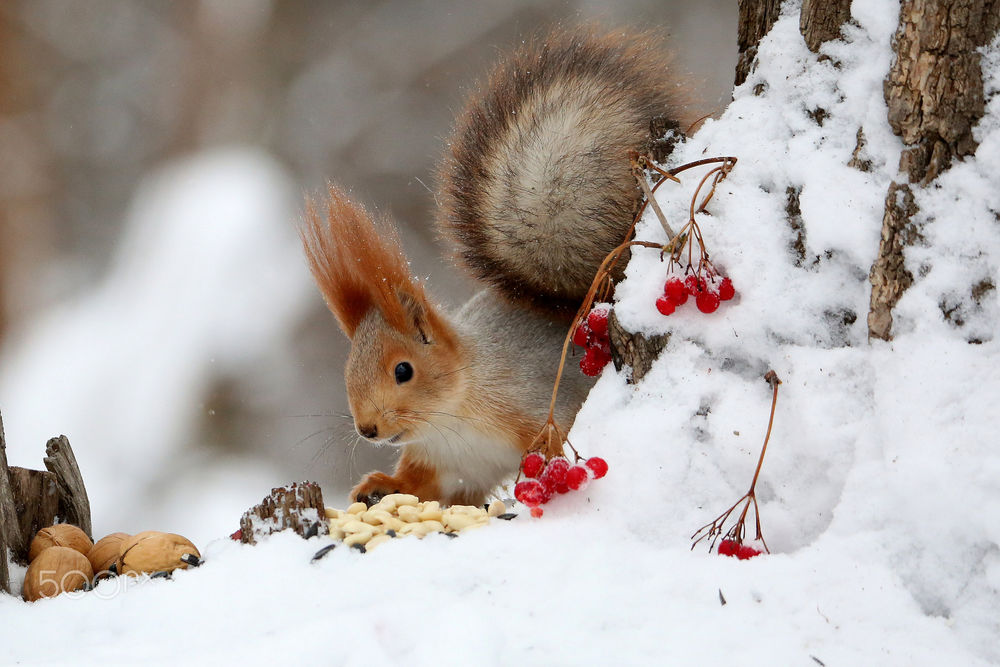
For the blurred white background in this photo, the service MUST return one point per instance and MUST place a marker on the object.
(154, 306)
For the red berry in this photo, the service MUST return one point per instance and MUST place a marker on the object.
(726, 289)
(675, 291)
(532, 464)
(594, 361)
(537, 512)
(694, 285)
(556, 468)
(598, 466)
(581, 335)
(597, 320)
(554, 475)
(590, 367)
(728, 547)
(577, 477)
(237, 536)
(530, 492)
(707, 302)
(665, 305)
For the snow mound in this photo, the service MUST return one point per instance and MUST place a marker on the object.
(878, 494)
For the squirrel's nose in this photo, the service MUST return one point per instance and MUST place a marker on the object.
(369, 431)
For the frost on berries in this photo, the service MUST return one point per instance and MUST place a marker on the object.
(708, 287)
(532, 465)
(598, 466)
(689, 270)
(592, 334)
(556, 475)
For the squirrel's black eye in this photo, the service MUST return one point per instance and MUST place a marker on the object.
(404, 372)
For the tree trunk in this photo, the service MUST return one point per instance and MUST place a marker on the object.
(889, 275)
(820, 20)
(756, 19)
(934, 91)
(634, 349)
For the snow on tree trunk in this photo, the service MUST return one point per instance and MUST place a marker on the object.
(934, 91)
(820, 20)
(756, 19)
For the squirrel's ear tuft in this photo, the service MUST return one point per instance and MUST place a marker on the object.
(358, 265)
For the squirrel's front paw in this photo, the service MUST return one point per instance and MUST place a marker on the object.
(374, 487)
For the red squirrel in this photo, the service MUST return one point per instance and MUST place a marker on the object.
(535, 190)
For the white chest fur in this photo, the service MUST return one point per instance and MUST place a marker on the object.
(467, 458)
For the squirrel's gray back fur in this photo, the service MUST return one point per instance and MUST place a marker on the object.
(536, 188)
(516, 354)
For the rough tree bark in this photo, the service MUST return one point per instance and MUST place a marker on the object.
(821, 20)
(756, 19)
(74, 506)
(934, 91)
(36, 504)
(634, 349)
(8, 518)
(298, 506)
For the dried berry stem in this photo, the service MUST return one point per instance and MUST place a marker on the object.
(588, 301)
(550, 436)
(651, 200)
(713, 530)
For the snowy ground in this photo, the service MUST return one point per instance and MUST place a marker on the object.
(879, 495)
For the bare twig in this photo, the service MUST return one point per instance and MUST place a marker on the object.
(551, 439)
(713, 530)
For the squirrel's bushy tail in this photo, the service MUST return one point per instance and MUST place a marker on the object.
(536, 188)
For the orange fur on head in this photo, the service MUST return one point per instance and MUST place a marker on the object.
(358, 265)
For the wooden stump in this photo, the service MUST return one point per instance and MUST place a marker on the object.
(8, 517)
(298, 506)
(36, 504)
(34, 499)
(74, 506)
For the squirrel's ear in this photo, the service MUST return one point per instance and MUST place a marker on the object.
(416, 312)
(358, 264)
(359, 267)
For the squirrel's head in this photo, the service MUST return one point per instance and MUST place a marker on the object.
(406, 363)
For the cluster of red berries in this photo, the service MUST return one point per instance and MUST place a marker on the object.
(730, 547)
(708, 292)
(592, 334)
(557, 475)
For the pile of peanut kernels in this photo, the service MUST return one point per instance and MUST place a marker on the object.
(401, 514)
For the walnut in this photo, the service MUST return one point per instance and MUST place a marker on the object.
(152, 551)
(59, 535)
(56, 570)
(105, 552)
